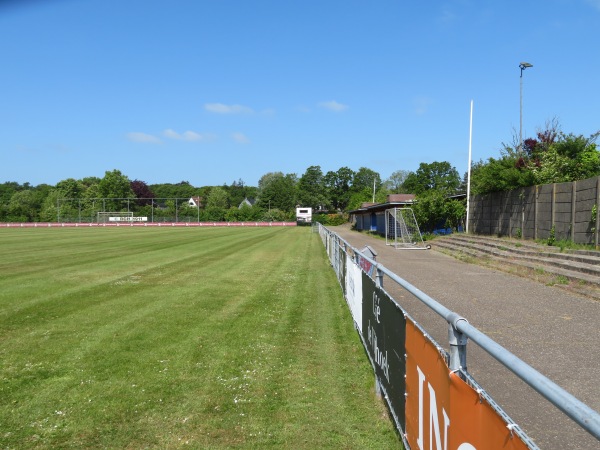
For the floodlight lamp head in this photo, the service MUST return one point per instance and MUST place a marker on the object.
(523, 66)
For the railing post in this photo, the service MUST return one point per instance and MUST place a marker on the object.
(379, 277)
(458, 345)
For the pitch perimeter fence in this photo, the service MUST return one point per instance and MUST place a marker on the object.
(434, 401)
(143, 224)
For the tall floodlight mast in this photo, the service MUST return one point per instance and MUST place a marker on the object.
(522, 66)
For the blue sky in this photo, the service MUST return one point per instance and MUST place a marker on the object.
(215, 91)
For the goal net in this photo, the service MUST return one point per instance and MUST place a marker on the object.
(402, 229)
(105, 216)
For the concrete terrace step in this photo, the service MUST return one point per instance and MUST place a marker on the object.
(581, 267)
(587, 261)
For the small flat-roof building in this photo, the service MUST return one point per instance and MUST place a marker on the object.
(371, 216)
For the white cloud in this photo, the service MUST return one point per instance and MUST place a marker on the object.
(189, 136)
(143, 137)
(220, 108)
(334, 106)
(240, 138)
(421, 105)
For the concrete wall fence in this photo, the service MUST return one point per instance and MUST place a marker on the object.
(532, 212)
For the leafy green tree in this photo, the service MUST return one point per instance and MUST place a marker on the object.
(434, 209)
(439, 176)
(50, 205)
(570, 158)
(69, 193)
(116, 186)
(278, 191)
(87, 182)
(311, 189)
(182, 190)
(276, 215)
(456, 212)
(213, 214)
(7, 190)
(92, 201)
(23, 206)
(338, 185)
(71, 188)
(497, 175)
(395, 183)
(365, 179)
(365, 184)
(268, 178)
(245, 213)
(217, 198)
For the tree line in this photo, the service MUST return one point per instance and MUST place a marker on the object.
(550, 157)
(275, 198)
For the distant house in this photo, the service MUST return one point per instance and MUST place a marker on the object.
(248, 201)
(196, 202)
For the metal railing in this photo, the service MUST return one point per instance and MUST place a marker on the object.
(460, 331)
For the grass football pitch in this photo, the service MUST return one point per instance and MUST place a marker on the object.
(136, 337)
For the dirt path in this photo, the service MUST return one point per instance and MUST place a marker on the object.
(554, 331)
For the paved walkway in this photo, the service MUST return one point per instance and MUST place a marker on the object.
(555, 332)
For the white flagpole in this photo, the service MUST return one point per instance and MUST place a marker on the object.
(469, 169)
(374, 179)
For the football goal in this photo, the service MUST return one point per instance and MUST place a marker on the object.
(402, 230)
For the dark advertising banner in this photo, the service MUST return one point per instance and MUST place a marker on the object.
(383, 329)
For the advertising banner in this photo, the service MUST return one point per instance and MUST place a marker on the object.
(383, 331)
(444, 412)
(365, 265)
(354, 291)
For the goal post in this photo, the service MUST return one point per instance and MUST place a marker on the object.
(402, 230)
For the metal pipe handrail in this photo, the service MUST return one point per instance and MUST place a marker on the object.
(579, 412)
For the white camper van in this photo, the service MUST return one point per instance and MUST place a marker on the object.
(303, 216)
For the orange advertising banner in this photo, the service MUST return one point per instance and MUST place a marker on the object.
(442, 411)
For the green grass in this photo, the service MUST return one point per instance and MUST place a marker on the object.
(559, 279)
(155, 337)
(565, 244)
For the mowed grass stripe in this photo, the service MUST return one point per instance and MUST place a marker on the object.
(79, 264)
(212, 338)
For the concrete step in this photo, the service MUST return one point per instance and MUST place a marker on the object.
(581, 260)
(589, 256)
(581, 268)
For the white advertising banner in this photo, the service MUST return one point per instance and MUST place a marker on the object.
(127, 219)
(354, 291)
